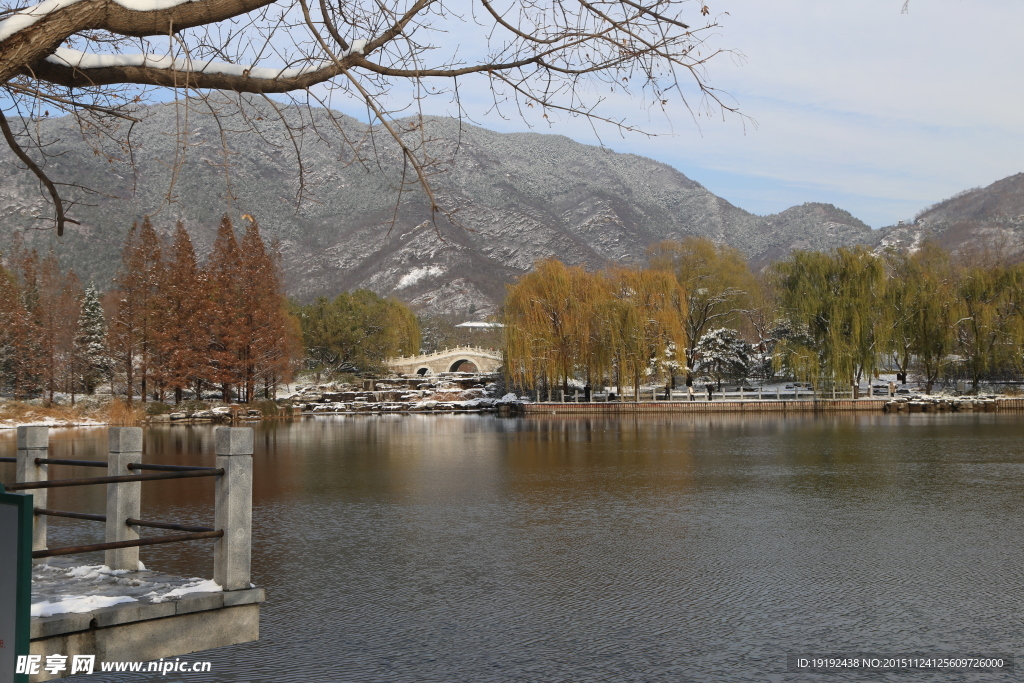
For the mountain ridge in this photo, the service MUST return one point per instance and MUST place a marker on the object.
(982, 218)
(520, 197)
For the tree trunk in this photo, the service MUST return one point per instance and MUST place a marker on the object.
(129, 380)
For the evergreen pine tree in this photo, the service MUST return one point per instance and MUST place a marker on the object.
(90, 343)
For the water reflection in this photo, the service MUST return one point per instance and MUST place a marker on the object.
(472, 548)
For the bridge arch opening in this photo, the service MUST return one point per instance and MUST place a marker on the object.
(463, 365)
(423, 371)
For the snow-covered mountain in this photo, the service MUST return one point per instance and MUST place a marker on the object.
(521, 197)
(982, 218)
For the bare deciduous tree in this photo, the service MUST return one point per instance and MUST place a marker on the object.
(98, 59)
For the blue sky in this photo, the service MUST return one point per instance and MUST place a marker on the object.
(849, 102)
(855, 104)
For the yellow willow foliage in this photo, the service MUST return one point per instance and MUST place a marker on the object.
(644, 320)
(990, 316)
(836, 301)
(548, 321)
(921, 300)
(561, 322)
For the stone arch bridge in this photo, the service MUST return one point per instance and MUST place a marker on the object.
(461, 359)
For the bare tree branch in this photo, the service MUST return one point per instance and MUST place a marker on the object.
(97, 58)
(58, 205)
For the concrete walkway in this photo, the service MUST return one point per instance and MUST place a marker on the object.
(134, 616)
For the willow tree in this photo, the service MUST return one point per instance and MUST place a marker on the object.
(643, 318)
(562, 322)
(921, 303)
(549, 317)
(96, 59)
(837, 301)
(717, 283)
(762, 325)
(990, 316)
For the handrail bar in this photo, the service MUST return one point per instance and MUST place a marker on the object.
(231, 530)
(72, 515)
(168, 525)
(167, 468)
(155, 540)
(6, 459)
(77, 463)
(213, 472)
(130, 521)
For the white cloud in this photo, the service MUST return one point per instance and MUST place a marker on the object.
(855, 103)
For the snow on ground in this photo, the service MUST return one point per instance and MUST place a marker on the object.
(197, 586)
(59, 588)
(32, 421)
(417, 274)
(78, 604)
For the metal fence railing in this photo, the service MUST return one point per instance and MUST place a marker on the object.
(681, 394)
(125, 473)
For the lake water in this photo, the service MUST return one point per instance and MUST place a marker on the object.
(479, 549)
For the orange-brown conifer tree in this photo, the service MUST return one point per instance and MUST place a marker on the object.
(182, 299)
(14, 370)
(223, 271)
(135, 322)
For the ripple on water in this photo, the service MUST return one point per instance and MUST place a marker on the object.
(478, 549)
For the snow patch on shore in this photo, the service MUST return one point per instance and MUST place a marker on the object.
(78, 604)
(197, 586)
(50, 422)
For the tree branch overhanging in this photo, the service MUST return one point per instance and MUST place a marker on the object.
(555, 56)
(58, 205)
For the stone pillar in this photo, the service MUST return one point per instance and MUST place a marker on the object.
(232, 552)
(34, 442)
(123, 499)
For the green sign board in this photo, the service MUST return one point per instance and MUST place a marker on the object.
(15, 581)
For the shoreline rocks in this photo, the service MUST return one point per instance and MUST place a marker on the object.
(944, 404)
